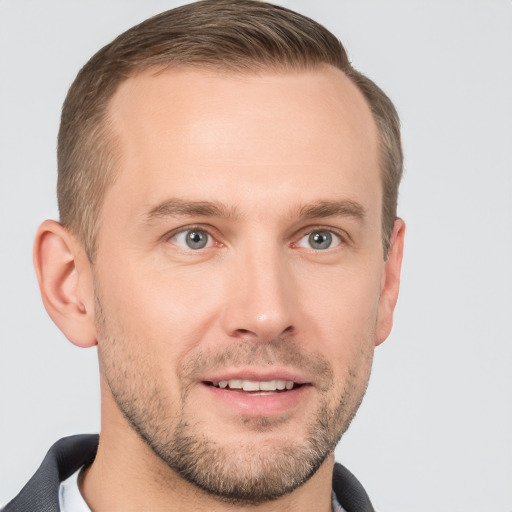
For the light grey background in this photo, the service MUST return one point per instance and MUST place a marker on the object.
(435, 431)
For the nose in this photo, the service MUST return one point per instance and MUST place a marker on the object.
(261, 302)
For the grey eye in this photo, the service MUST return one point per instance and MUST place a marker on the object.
(192, 239)
(196, 239)
(319, 240)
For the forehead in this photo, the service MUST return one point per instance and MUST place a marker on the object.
(238, 138)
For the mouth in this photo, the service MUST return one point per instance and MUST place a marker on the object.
(257, 387)
(254, 395)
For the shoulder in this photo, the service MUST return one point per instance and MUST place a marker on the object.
(349, 491)
(61, 461)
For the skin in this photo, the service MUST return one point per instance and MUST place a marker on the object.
(264, 148)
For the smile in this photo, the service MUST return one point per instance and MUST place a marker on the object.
(254, 385)
(254, 395)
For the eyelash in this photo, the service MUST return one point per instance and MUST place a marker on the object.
(308, 231)
(342, 236)
(186, 229)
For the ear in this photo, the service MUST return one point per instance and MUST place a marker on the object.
(65, 280)
(390, 282)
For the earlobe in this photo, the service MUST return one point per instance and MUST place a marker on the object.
(64, 276)
(390, 282)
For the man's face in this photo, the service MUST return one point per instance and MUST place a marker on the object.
(240, 253)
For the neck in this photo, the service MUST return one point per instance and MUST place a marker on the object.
(128, 476)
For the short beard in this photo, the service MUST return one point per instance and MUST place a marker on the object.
(243, 474)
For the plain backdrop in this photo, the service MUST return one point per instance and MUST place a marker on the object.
(435, 431)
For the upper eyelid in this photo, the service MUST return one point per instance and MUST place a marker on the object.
(199, 227)
(306, 230)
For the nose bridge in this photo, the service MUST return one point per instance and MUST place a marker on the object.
(260, 296)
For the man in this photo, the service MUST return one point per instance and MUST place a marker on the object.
(228, 239)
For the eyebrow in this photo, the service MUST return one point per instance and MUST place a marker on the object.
(182, 208)
(341, 208)
(175, 207)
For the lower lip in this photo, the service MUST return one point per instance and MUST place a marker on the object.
(269, 404)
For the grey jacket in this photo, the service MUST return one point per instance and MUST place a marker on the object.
(41, 494)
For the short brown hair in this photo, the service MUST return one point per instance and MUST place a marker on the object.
(239, 36)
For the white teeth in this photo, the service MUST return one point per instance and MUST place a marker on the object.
(235, 383)
(252, 385)
(269, 385)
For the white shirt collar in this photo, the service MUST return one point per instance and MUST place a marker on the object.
(70, 498)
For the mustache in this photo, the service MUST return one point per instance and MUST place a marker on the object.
(282, 352)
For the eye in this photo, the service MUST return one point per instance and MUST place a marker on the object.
(192, 239)
(319, 240)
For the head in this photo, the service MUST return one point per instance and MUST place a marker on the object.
(227, 186)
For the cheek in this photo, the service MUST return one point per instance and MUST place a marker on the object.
(340, 322)
(167, 309)
(345, 307)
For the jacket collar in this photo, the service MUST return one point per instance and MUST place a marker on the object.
(69, 454)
